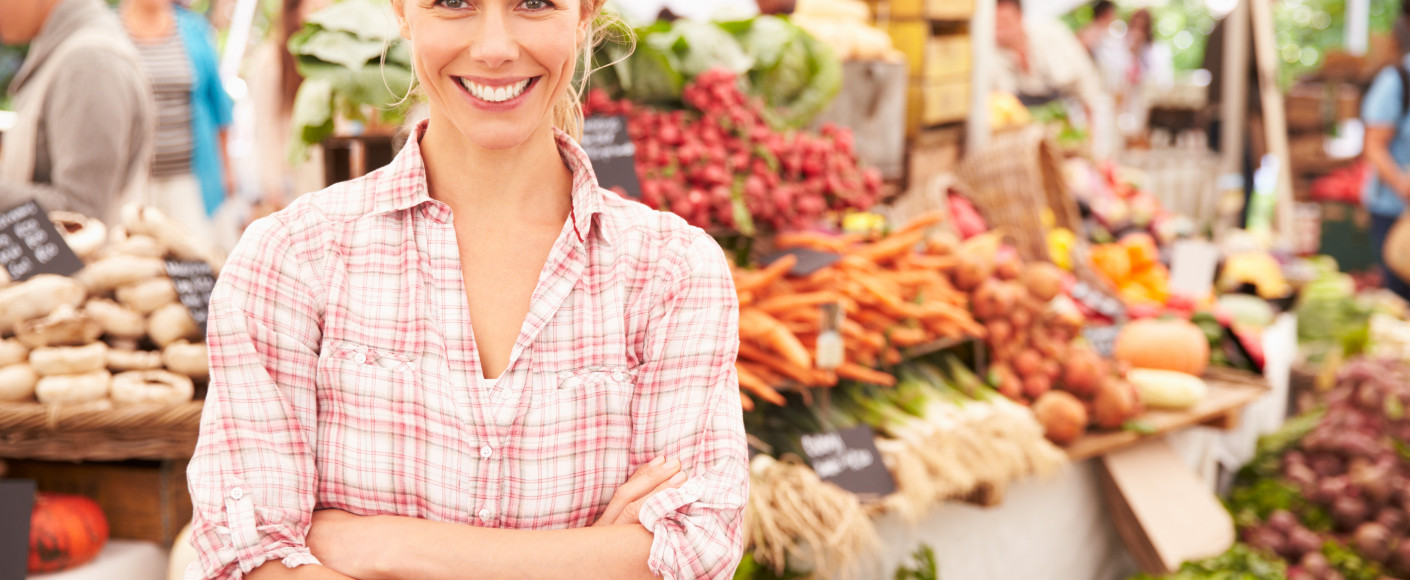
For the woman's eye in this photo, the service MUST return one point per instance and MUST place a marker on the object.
(536, 5)
(454, 4)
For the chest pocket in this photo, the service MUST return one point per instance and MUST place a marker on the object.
(577, 441)
(367, 415)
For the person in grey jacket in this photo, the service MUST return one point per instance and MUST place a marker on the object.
(83, 135)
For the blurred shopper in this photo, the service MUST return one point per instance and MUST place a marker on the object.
(1042, 61)
(84, 129)
(190, 177)
(1386, 112)
(1099, 29)
(1133, 65)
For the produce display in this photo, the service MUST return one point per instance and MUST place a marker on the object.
(116, 331)
(722, 167)
(794, 75)
(1133, 267)
(1330, 494)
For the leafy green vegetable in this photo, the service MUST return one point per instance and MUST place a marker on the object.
(1351, 564)
(749, 569)
(925, 566)
(1241, 562)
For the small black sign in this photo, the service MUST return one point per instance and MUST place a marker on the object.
(31, 245)
(809, 261)
(194, 281)
(849, 459)
(613, 155)
(16, 507)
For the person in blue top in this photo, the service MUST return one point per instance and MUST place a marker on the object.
(1387, 117)
(190, 172)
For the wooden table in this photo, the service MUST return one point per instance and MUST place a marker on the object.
(1229, 393)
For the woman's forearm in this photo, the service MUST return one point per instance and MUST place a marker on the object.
(426, 550)
(1385, 166)
(276, 570)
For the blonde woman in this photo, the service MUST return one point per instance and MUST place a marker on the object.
(474, 362)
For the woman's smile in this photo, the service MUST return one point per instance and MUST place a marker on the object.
(497, 94)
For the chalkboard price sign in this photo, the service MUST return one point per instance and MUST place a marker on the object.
(849, 459)
(194, 281)
(609, 146)
(30, 245)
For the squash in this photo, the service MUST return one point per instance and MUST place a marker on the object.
(1168, 389)
(65, 531)
(1168, 344)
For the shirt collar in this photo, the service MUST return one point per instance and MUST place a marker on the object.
(402, 184)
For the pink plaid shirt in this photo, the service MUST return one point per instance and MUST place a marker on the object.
(344, 376)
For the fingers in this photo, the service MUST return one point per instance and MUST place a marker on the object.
(631, 514)
(641, 484)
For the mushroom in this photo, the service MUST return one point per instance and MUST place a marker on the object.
(147, 296)
(151, 387)
(152, 222)
(75, 388)
(171, 323)
(84, 235)
(17, 382)
(120, 360)
(65, 326)
(187, 358)
(12, 351)
(69, 360)
(37, 297)
(116, 320)
(111, 272)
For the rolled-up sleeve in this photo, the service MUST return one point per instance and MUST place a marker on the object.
(687, 408)
(252, 478)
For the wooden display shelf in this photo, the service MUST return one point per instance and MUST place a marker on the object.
(1229, 393)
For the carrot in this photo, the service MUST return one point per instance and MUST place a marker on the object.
(773, 334)
(745, 402)
(906, 337)
(765, 276)
(764, 373)
(922, 222)
(745, 298)
(891, 247)
(799, 328)
(822, 378)
(863, 374)
(879, 289)
(874, 319)
(929, 262)
(778, 304)
(778, 364)
(853, 331)
(892, 356)
(757, 386)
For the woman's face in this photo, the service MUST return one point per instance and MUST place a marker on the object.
(493, 68)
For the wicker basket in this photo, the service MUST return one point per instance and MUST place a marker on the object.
(98, 431)
(1013, 178)
(924, 198)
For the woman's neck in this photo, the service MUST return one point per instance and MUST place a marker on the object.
(524, 184)
(148, 20)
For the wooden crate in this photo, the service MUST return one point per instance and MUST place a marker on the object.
(937, 103)
(947, 58)
(910, 37)
(933, 152)
(872, 104)
(143, 500)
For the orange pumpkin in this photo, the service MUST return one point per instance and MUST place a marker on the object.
(1140, 250)
(1167, 344)
(65, 531)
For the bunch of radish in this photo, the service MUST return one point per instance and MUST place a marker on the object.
(1031, 331)
(719, 163)
(1352, 465)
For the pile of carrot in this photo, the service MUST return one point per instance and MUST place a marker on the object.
(894, 289)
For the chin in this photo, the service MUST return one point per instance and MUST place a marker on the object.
(498, 132)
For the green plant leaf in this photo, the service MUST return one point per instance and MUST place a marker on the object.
(367, 19)
(342, 48)
(312, 116)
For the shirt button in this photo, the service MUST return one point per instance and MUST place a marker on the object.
(360, 358)
(486, 452)
(486, 515)
(237, 493)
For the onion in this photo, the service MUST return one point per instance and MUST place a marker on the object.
(1266, 539)
(1400, 559)
(1282, 520)
(1393, 519)
(1349, 512)
(1315, 563)
(1062, 416)
(1303, 541)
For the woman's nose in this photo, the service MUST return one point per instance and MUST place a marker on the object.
(495, 44)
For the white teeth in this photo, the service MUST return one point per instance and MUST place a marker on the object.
(495, 94)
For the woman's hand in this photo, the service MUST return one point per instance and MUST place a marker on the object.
(625, 507)
(349, 544)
